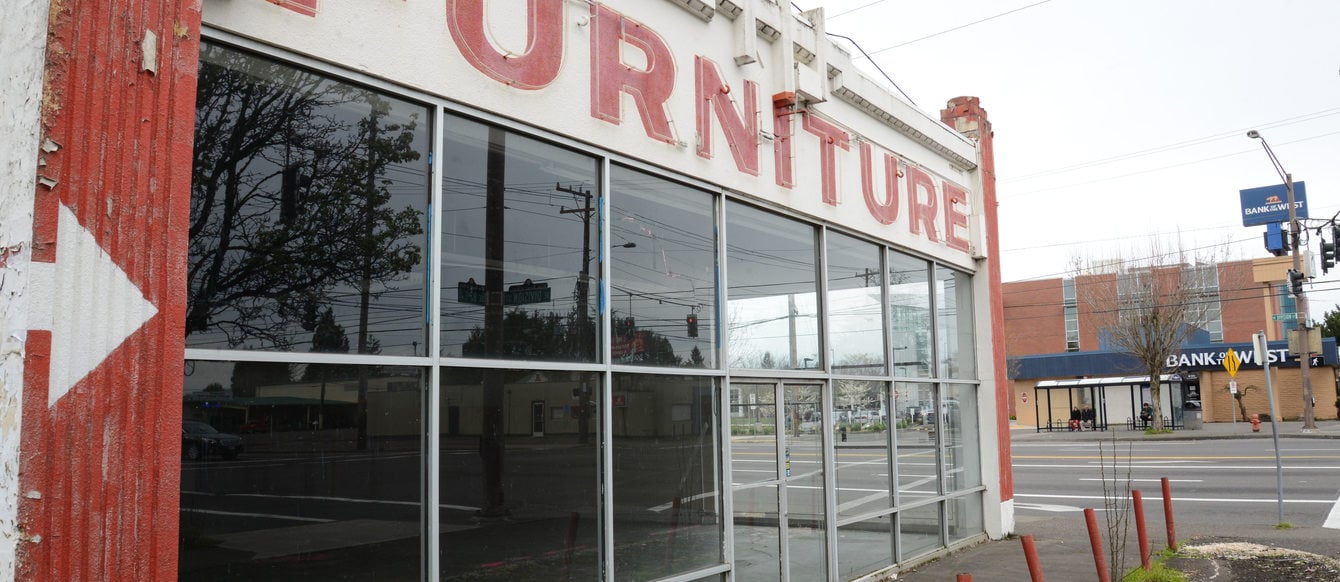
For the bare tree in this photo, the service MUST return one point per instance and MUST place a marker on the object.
(1147, 308)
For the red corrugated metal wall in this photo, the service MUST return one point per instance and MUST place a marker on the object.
(99, 467)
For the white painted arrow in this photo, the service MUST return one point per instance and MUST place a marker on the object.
(87, 303)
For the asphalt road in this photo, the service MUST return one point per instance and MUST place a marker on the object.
(1224, 482)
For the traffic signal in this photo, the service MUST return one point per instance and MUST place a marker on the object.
(692, 321)
(1327, 255)
(1296, 282)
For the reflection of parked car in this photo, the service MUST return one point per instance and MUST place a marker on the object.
(199, 440)
(254, 426)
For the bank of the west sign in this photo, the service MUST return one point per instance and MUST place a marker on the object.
(1270, 204)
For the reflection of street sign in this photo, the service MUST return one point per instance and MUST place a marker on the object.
(527, 293)
(1285, 317)
(1024, 395)
(1233, 387)
(473, 293)
(1231, 363)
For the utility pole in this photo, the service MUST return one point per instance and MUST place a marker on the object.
(1300, 298)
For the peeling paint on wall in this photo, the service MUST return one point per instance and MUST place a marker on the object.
(23, 42)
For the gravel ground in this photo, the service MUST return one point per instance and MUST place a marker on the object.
(1248, 562)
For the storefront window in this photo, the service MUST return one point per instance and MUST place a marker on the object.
(864, 546)
(962, 457)
(917, 433)
(965, 517)
(300, 471)
(919, 531)
(309, 202)
(910, 314)
(953, 305)
(518, 470)
(520, 247)
(663, 289)
(773, 287)
(667, 510)
(862, 447)
(855, 306)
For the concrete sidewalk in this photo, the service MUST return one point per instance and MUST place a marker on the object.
(1062, 540)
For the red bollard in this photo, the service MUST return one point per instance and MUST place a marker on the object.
(1138, 500)
(964, 578)
(1031, 556)
(1168, 515)
(1096, 540)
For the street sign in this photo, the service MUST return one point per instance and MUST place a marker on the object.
(1285, 317)
(1231, 363)
(1233, 387)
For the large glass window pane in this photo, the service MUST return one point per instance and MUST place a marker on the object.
(910, 315)
(865, 546)
(667, 511)
(855, 306)
(862, 448)
(663, 293)
(804, 470)
(773, 288)
(281, 481)
(309, 201)
(753, 421)
(953, 304)
(918, 531)
(962, 455)
(758, 542)
(520, 247)
(518, 472)
(965, 517)
(917, 461)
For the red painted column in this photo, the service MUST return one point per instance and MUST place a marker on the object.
(966, 115)
(100, 453)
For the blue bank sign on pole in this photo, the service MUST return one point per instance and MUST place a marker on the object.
(1270, 204)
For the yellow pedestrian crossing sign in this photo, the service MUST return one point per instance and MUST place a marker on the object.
(1231, 363)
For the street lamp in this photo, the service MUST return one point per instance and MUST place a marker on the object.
(1300, 299)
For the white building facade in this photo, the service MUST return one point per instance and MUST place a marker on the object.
(626, 290)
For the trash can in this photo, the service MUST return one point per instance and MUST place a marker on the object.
(1192, 416)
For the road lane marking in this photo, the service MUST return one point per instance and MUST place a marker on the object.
(262, 515)
(1189, 499)
(1146, 480)
(1047, 507)
(1183, 457)
(1333, 519)
(1197, 467)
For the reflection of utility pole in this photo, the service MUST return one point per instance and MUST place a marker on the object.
(365, 282)
(491, 435)
(583, 291)
(791, 326)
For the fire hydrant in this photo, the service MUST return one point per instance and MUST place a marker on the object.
(1256, 423)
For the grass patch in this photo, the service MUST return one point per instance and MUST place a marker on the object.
(1151, 431)
(1158, 572)
(1284, 525)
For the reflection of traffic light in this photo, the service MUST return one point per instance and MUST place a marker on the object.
(692, 321)
(1296, 282)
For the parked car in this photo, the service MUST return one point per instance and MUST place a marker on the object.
(199, 440)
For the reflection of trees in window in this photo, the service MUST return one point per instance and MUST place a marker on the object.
(291, 192)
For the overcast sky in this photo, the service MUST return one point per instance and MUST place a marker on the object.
(1118, 122)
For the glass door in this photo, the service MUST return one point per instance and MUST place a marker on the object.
(777, 481)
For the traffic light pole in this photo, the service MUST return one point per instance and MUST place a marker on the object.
(1300, 303)
(1300, 299)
